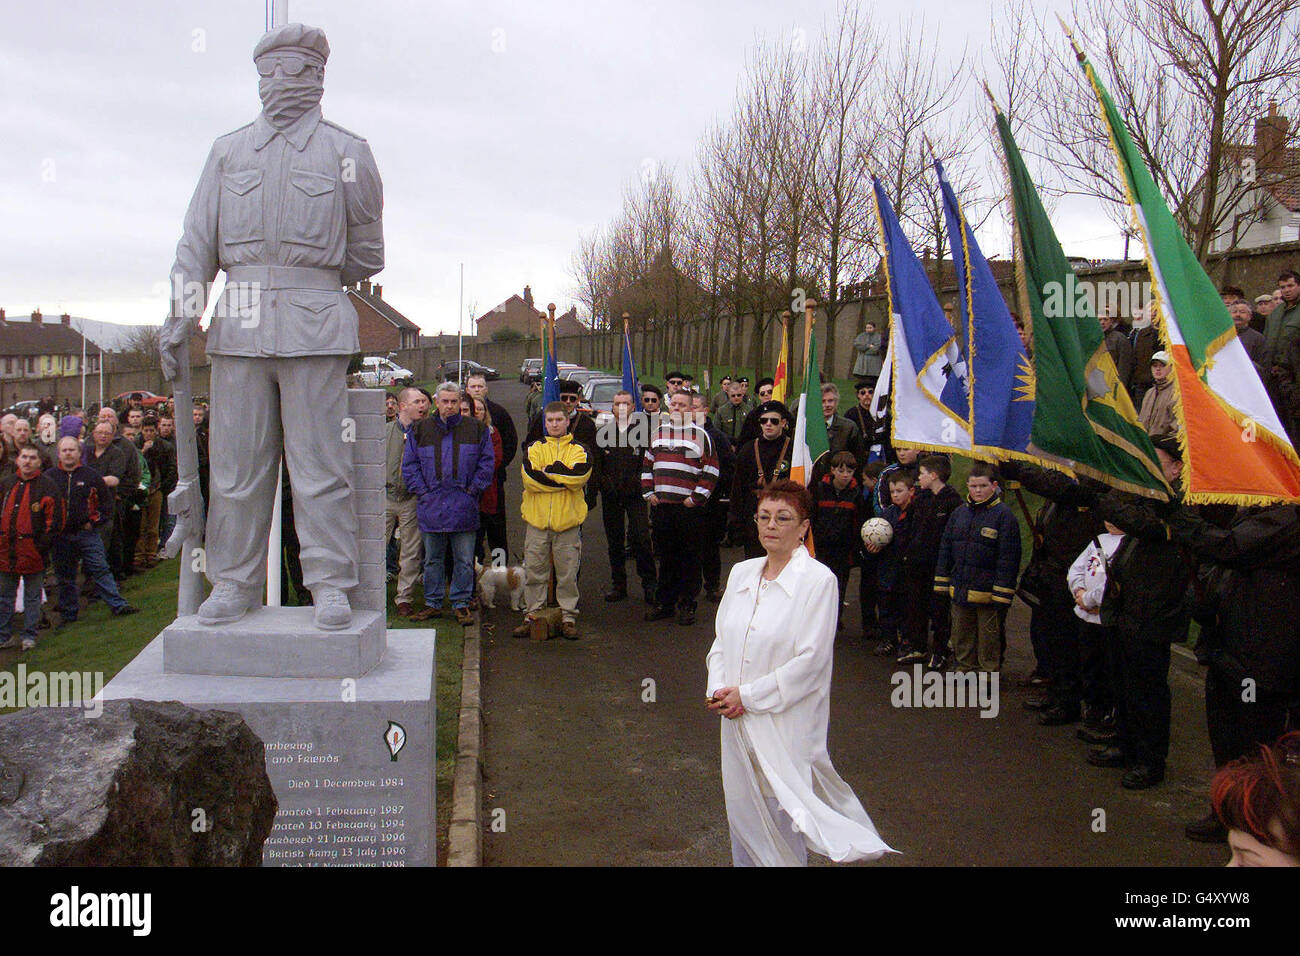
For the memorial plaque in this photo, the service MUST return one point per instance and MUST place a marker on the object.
(351, 760)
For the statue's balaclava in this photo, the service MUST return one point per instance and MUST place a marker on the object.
(285, 98)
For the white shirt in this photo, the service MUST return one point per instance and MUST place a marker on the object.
(775, 641)
(1089, 572)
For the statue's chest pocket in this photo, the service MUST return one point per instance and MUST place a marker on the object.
(240, 216)
(309, 215)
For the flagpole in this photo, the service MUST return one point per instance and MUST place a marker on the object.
(809, 318)
(460, 329)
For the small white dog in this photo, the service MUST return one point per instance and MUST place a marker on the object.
(494, 580)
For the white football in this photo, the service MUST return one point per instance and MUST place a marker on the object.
(877, 531)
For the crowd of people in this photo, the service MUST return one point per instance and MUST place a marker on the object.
(84, 508)
(1112, 580)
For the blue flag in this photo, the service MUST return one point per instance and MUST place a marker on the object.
(928, 394)
(630, 382)
(551, 371)
(1001, 376)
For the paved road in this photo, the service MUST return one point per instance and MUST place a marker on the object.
(588, 772)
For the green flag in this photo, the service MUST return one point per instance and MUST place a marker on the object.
(1083, 415)
(810, 441)
(1235, 448)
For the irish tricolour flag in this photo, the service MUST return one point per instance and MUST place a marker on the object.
(1235, 449)
(810, 441)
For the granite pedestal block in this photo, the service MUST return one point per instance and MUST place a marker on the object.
(351, 759)
(274, 642)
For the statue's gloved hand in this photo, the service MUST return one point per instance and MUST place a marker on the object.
(174, 345)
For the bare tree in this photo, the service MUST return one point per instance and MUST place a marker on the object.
(842, 205)
(140, 347)
(1191, 78)
(916, 93)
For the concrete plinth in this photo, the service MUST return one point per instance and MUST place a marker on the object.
(345, 797)
(274, 642)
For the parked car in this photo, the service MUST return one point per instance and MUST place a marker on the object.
(380, 372)
(530, 370)
(147, 399)
(535, 375)
(598, 394)
(458, 371)
(582, 375)
(28, 409)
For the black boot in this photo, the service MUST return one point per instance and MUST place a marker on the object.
(1108, 757)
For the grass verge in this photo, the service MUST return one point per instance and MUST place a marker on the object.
(99, 642)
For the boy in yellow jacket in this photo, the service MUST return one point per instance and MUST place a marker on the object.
(556, 469)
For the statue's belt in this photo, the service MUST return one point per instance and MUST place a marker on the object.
(268, 278)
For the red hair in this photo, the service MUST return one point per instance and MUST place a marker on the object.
(792, 493)
(1252, 794)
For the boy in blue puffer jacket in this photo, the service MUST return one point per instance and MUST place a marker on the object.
(979, 559)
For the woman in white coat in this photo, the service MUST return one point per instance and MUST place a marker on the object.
(770, 678)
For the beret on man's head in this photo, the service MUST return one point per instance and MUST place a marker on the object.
(774, 406)
(567, 386)
(297, 37)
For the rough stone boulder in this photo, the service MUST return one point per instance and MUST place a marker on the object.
(143, 784)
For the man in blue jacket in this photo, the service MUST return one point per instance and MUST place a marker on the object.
(448, 464)
(979, 560)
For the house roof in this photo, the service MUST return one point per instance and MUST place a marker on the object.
(1286, 188)
(384, 309)
(45, 338)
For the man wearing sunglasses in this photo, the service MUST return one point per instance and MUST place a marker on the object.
(759, 462)
(290, 207)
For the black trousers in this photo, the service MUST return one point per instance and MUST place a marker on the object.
(914, 611)
(291, 563)
(753, 546)
(715, 526)
(1238, 727)
(492, 529)
(868, 594)
(891, 613)
(1095, 680)
(1054, 632)
(678, 540)
(841, 564)
(1144, 700)
(626, 517)
(116, 535)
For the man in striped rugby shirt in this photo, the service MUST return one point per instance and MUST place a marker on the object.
(678, 475)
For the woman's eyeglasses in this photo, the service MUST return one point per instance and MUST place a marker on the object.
(781, 520)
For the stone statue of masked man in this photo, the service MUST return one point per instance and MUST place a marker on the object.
(290, 207)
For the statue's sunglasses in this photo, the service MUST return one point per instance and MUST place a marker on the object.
(292, 63)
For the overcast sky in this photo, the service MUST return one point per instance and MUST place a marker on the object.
(501, 131)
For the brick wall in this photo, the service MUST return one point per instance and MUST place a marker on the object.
(378, 336)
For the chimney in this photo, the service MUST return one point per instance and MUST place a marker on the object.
(66, 319)
(36, 317)
(1270, 141)
(3, 323)
(528, 297)
(379, 291)
(365, 286)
